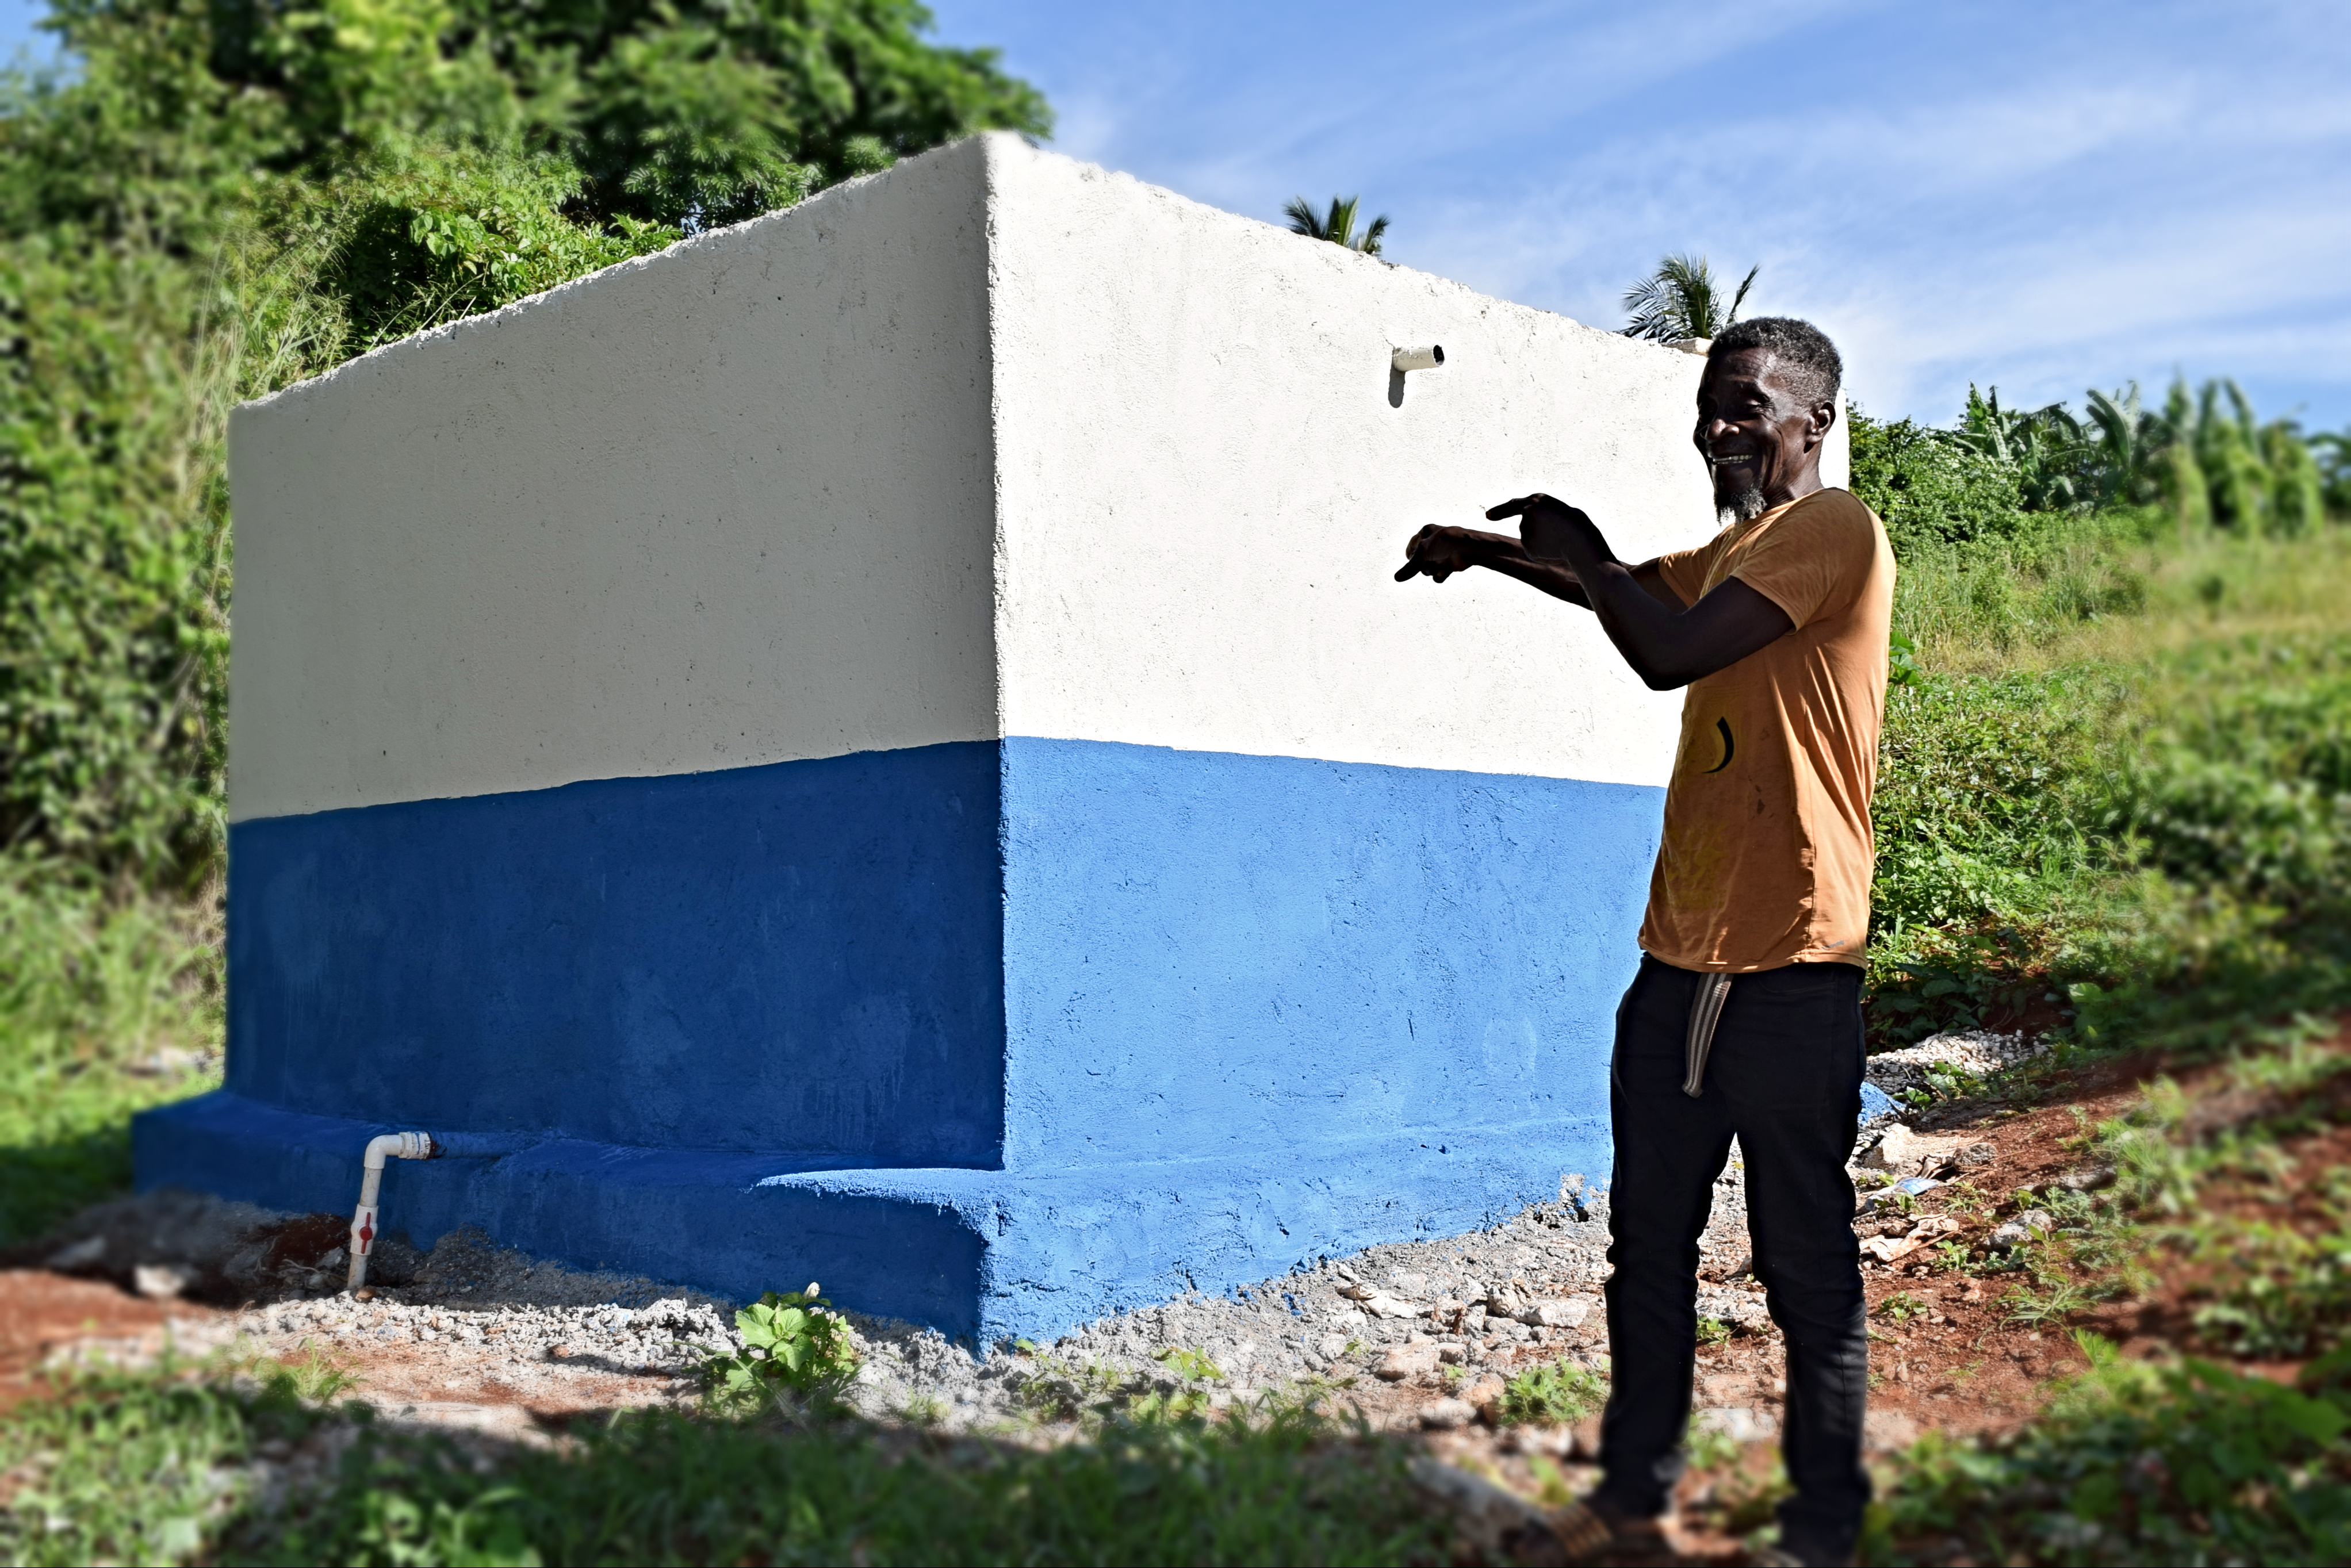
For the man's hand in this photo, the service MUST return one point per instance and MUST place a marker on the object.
(1666, 644)
(1437, 552)
(1547, 525)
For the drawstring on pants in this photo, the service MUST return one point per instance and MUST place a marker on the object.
(1706, 1011)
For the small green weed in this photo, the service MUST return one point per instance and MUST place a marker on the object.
(1055, 1390)
(790, 1341)
(1900, 1307)
(1554, 1395)
(313, 1380)
(2054, 1304)
(1186, 1401)
(1712, 1448)
(1192, 1366)
(1712, 1330)
(1552, 1489)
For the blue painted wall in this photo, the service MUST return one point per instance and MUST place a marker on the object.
(1206, 954)
(803, 956)
(1204, 1015)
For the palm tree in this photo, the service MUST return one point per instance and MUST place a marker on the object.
(1681, 300)
(1338, 228)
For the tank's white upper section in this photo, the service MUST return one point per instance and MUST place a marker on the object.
(995, 443)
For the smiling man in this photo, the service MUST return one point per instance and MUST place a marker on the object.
(1745, 1018)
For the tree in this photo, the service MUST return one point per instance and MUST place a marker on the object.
(1337, 226)
(223, 196)
(2204, 454)
(2331, 449)
(1681, 301)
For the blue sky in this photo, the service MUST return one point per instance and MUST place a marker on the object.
(2042, 196)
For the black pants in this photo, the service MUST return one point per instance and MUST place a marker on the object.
(1785, 1076)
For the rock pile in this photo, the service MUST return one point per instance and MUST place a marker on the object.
(1976, 1052)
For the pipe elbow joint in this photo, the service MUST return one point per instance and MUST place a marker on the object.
(397, 1146)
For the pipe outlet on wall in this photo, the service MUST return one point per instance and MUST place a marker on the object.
(1427, 359)
(406, 1147)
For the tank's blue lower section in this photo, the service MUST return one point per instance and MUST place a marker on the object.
(980, 1255)
(995, 1036)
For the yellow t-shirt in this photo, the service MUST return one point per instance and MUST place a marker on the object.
(1767, 852)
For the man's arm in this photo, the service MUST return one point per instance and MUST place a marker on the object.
(1666, 647)
(1439, 553)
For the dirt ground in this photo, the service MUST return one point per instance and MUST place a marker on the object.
(1946, 1354)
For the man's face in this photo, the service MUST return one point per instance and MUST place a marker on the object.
(1753, 431)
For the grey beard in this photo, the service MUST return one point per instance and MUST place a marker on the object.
(1744, 508)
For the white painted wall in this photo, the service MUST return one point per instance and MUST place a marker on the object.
(727, 505)
(995, 443)
(1205, 492)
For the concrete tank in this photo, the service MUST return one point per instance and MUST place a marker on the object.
(880, 745)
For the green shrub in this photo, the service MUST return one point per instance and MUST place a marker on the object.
(790, 1341)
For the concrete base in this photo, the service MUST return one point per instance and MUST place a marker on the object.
(983, 1256)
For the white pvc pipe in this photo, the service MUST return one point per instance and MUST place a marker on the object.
(1427, 359)
(391, 1146)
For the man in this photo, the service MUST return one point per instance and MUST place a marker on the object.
(1745, 1018)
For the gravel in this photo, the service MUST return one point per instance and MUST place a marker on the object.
(1979, 1052)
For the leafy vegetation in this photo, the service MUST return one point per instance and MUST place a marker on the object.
(2140, 1462)
(2109, 797)
(1337, 226)
(219, 199)
(1682, 300)
(790, 1341)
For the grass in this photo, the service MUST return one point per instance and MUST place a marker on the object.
(2182, 1461)
(108, 1005)
(1553, 1394)
(2130, 824)
(161, 1465)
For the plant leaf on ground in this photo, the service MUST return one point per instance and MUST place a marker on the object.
(792, 1341)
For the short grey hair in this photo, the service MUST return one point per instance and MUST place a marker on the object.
(1813, 368)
